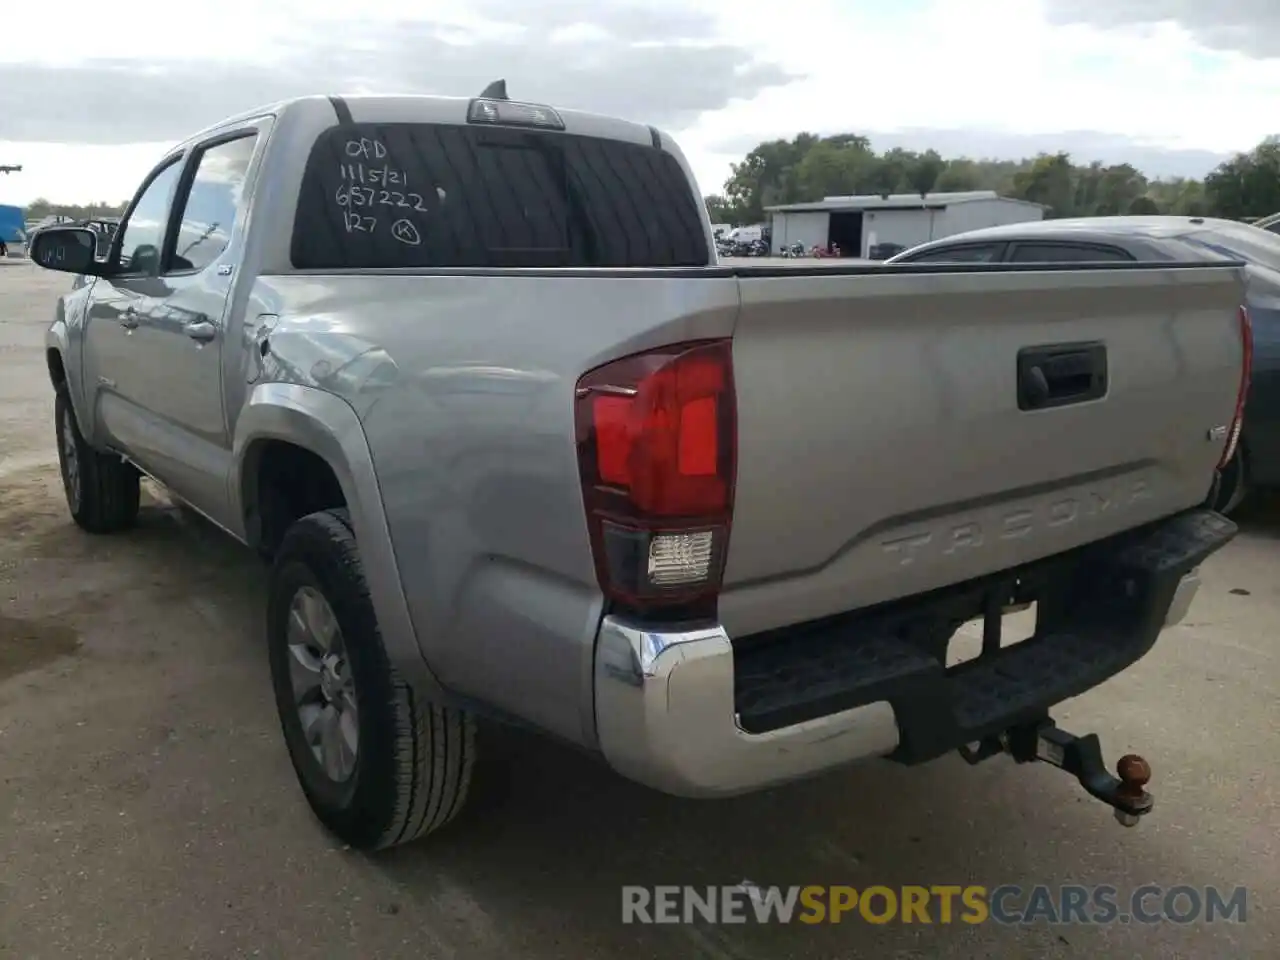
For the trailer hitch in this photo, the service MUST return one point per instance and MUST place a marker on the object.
(1082, 758)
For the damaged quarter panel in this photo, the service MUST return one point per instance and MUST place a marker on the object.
(467, 406)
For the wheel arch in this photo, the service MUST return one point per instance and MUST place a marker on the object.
(273, 428)
(57, 367)
(64, 372)
(324, 426)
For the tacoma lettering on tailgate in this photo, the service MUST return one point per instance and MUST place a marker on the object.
(1017, 524)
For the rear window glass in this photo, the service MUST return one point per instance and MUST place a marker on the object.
(985, 253)
(432, 195)
(1239, 243)
(1066, 253)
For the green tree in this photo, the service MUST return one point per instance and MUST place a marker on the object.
(1247, 185)
(1121, 185)
(834, 167)
(40, 208)
(767, 175)
(892, 174)
(960, 175)
(1180, 196)
(1088, 191)
(1049, 181)
(809, 167)
(923, 174)
(720, 210)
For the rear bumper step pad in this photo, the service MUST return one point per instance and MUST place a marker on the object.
(1102, 607)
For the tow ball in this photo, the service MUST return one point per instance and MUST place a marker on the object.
(1082, 758)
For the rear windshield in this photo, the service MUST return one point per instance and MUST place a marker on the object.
(419, 195)
(1244, 242)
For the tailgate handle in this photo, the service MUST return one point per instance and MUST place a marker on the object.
(1061, 374)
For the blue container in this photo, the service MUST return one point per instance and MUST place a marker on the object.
(12, 227)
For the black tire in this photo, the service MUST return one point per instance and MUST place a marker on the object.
(1233, 484)
(414, 759)
(104, 491)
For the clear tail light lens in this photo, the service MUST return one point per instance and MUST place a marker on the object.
(657, 438)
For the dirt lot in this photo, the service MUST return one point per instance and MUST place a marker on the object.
(148, 808)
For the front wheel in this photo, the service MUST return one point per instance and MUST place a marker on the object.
(379, 765)
(103, 491)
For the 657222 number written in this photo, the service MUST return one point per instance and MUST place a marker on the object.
(353, 196)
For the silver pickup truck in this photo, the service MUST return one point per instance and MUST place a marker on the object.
(468, 374)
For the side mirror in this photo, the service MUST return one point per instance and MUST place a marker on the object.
(66, 249)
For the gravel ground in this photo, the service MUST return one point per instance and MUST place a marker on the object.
(148, 808)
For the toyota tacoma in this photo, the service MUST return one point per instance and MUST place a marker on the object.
(468, 374)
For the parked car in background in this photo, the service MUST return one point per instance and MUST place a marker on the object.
(883, 251)
(1271, 224)
(1163, 239)
(105, 229)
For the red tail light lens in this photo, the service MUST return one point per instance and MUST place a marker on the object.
(1237, 421)
(657, 436)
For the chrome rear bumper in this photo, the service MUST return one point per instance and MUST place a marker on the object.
(665, 715)
(665, 718)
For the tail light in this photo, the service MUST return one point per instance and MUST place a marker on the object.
(1237, 421)
(657, 438)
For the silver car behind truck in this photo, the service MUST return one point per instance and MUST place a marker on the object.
(467, 373)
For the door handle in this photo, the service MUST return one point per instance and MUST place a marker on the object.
(1061, 374)
(129, 319)
(201, 331)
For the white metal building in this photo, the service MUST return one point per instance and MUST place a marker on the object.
(858, 223)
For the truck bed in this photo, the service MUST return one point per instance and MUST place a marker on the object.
(882, 448)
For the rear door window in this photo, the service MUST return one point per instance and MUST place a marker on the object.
(973, 253)
(433, 195)
(1067, 253)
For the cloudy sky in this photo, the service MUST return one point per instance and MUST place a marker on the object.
(92, 92)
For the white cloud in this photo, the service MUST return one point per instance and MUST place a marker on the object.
(1251, 26)
(994, 67)
(987, 72)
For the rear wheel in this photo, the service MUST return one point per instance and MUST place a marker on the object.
(379, 765)
(1233, 485)
(102, 489)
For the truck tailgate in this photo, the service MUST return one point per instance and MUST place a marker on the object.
(884, 448)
